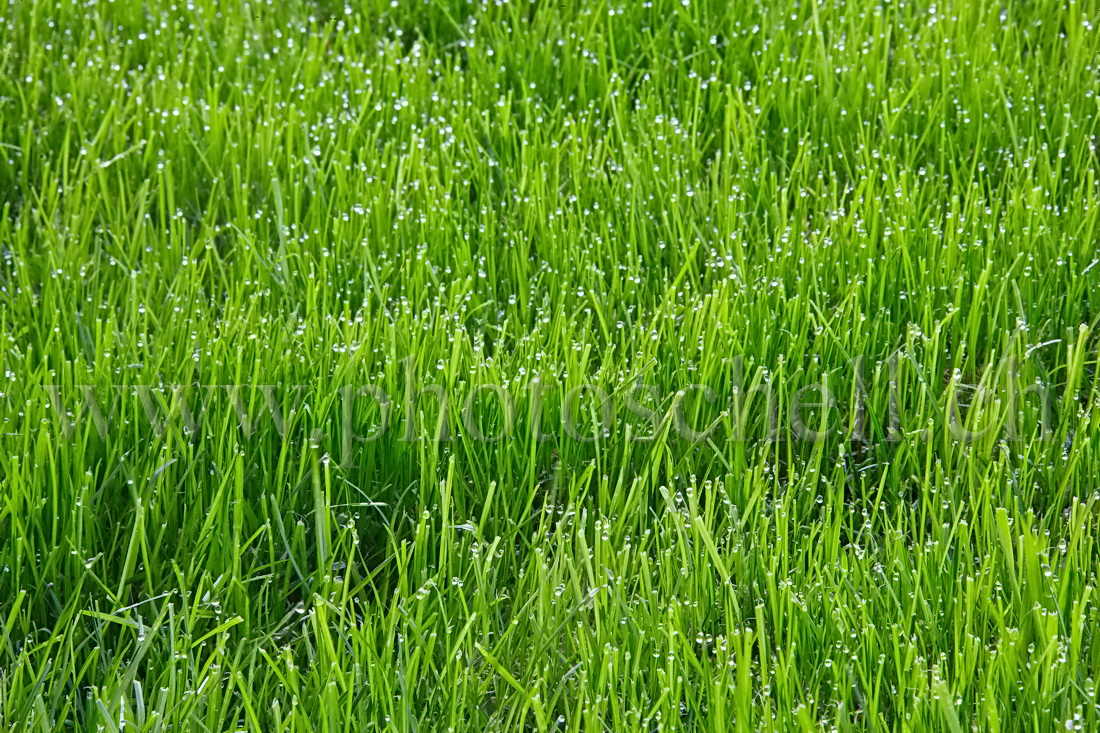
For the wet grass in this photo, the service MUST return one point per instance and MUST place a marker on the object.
(219, 222)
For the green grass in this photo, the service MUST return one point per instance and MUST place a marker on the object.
(899, 201)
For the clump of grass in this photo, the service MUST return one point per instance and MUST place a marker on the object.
(218, 218)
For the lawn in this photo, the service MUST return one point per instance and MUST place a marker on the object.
(550, 366)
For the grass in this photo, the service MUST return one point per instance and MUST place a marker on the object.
(203, 198)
